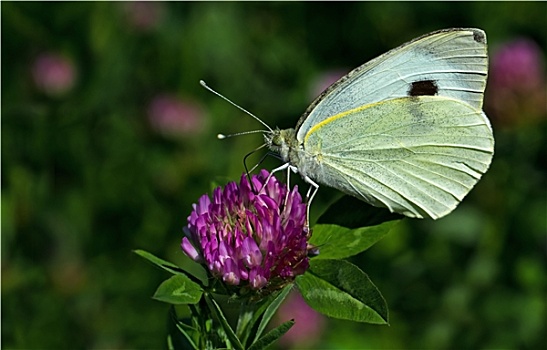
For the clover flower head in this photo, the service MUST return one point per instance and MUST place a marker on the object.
(53, 73)
(174, 117)
(516, 92)
(251, 235)
(517, 65)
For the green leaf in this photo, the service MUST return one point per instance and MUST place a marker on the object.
(197, 275)
(166, 265)
(263, 310)
(339, 289)
(336, 242)
(192, 268)
(181, 335)
(170, 345)
(178, 289)
(351, 212)
(246, 313)
(217, 311)
(272, 336)
(187, 336)
(250, 313)
(272, 308)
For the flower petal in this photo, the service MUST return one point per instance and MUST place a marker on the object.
(190, 251)
(250, 253)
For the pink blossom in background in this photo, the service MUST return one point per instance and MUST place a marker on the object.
(171, 116)
(308, 326)
(517, 65)
(53, 74)
(516, 86)
(325, 80)
(144, 15)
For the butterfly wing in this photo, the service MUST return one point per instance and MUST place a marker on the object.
(451, 63)
(404, 131)
(418, 156)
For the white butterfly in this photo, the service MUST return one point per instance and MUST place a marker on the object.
(404, 131)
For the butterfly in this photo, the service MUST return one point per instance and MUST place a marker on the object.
(404, 131)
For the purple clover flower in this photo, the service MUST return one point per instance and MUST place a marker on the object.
(309, 325)
(53, 73)
(172, 117)
(517, 65)
(247, 239)
(515, 94)
(144, 15)
(324, 80)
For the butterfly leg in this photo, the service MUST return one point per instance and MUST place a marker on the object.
(289, 168)
(307, 179)
(283, 167)
(309, 198)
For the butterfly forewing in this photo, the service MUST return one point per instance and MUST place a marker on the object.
(451, 63)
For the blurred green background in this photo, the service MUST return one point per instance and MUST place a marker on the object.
(108, 138)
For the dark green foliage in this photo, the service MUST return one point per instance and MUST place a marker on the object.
(87, 178)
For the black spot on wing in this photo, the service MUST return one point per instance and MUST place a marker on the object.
(479, 36)
(423, 88)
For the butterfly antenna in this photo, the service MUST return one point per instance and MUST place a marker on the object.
(224, 136)
(235, 105)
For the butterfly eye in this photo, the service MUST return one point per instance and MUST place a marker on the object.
(276, 139)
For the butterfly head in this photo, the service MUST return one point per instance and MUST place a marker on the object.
(281, 142)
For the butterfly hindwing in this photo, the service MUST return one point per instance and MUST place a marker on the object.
(418, 156)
